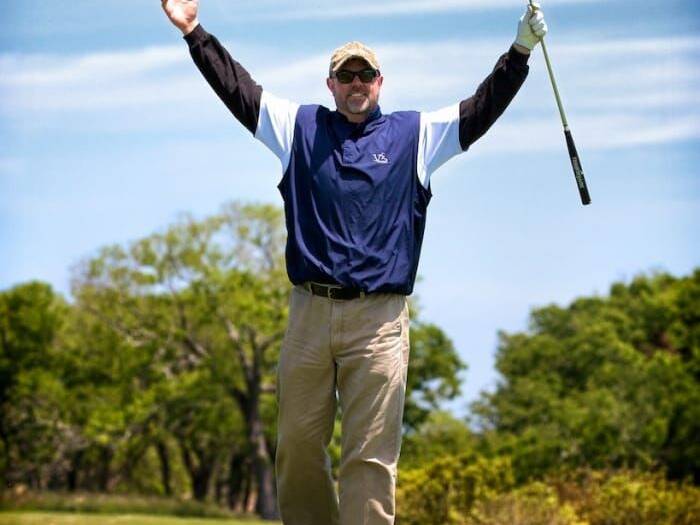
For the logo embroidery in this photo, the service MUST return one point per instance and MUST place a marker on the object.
(380, 158)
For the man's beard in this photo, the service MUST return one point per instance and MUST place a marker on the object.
(358, 105)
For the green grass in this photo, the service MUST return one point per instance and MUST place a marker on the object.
(65, 518)
(114, 504)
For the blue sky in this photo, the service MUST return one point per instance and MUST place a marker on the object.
(108, 131)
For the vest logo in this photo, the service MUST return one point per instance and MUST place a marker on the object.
(380, 158)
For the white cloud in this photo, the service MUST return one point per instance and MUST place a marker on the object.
(45, 70)
(617, 93)
(595, 132)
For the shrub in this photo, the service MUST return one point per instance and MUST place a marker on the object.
(445, 491)
(631, 498)
(470, 490)
(533, 504)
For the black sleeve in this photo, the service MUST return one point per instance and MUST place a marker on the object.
(227, 77)
(480, 111)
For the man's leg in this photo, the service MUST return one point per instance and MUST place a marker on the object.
(372, 367)
(307, 405)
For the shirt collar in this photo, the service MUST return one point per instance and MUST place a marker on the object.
(346, 127)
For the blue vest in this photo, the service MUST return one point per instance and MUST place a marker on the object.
(354, 206)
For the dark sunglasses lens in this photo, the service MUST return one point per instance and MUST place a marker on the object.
(367, 75)
(344, 77)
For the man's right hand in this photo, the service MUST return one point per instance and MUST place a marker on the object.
(182, 13)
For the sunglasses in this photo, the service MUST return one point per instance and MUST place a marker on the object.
(366, 76)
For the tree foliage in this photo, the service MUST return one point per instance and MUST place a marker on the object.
(433, 372)
(605, 382)
(32, 399)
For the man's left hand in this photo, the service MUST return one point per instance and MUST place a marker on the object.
(531, 27)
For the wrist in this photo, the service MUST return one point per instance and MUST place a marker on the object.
(521, 48)
(186, 30)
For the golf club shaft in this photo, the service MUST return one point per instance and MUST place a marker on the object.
(571, 146)
(564, 122)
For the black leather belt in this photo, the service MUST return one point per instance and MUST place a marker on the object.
(333, 291)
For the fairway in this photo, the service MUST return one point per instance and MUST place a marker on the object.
(64, 518)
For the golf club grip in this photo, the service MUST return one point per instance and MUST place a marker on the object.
(578, 170)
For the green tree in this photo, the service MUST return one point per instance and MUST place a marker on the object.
(31, 419)
(440, 435)
(114, 404)
(605, 382)
(205, 294)
(433, 372)
(204, 420)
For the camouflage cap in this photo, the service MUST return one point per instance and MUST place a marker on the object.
(352, 50)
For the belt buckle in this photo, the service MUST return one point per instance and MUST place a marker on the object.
(329, 290)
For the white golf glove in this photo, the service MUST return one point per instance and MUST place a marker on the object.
(531, 27)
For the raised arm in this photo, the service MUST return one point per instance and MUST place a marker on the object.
(451, 130)
(269, 118)
(478, 112)
(231, 82)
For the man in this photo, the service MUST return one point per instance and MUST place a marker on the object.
(356, 186)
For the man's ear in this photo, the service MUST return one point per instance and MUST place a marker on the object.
(329, 83)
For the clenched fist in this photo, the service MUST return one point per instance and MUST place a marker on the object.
(182, 13)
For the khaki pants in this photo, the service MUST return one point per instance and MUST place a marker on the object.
(359, 347)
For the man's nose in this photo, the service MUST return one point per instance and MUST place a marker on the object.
(356, 81)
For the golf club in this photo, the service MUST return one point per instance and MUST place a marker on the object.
(575, 161)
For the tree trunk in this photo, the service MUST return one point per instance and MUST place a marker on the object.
(106, 455)
(7, 471)
(73, 470)
(200, 484)
(263, 468)
(265, 476)
(219, 485)
(236, 473)
(200, 472)
(247, 491)
(251, 496)
(261, 462)
(164, 458)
